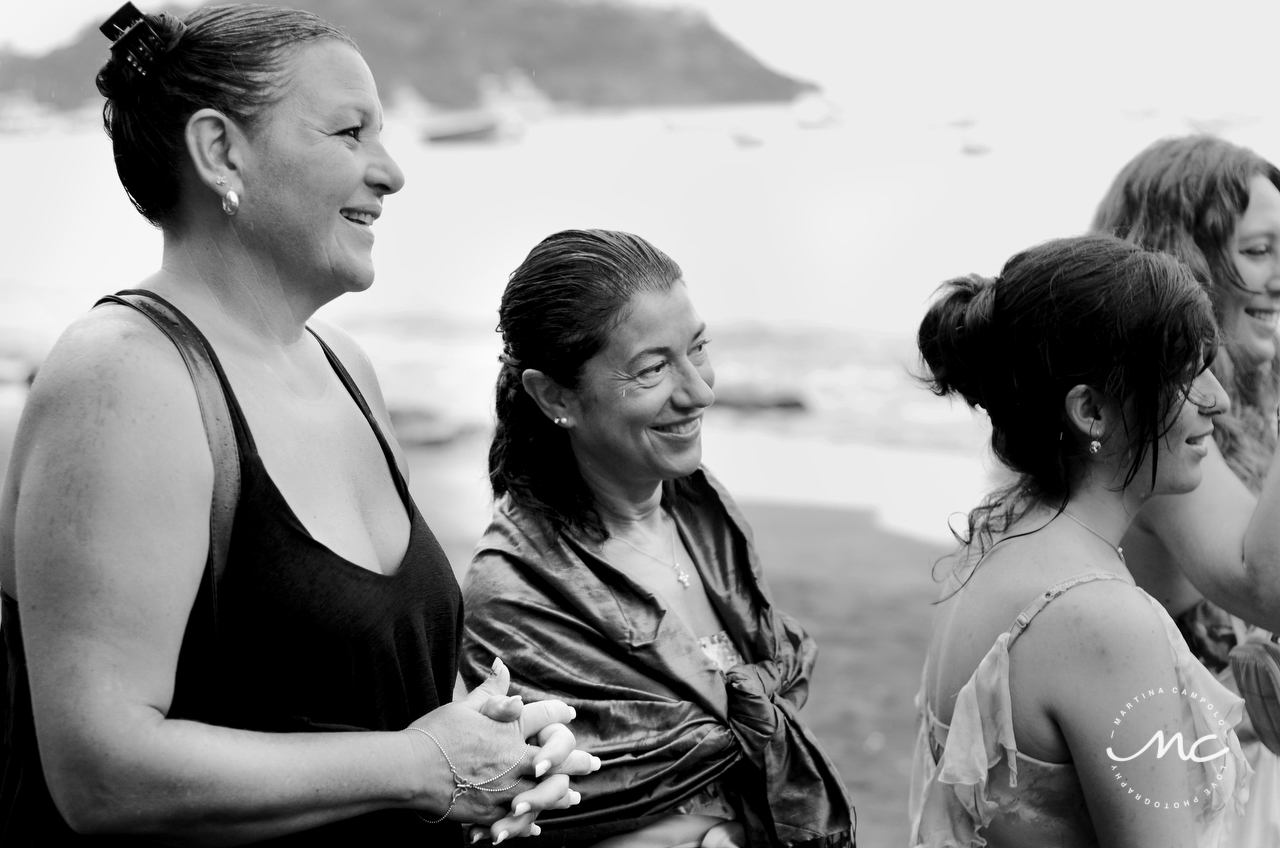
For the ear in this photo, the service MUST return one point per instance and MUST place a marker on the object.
(553, 399)
(1086, 412)
(216, 146)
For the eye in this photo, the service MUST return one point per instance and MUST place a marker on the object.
(654, 369)
(1257, 251)
(353, 132)
(700, 349)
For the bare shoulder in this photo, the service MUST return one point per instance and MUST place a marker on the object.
(111, 368)
(1110, 626)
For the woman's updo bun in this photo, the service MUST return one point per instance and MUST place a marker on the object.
(227, 58)
(954, 334)
(1092, 310)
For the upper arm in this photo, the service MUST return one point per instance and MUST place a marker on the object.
(1203, 534)
(1102, 660)
(109, 511)
(357, 363)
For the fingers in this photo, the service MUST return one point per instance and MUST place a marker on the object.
(541, 714)
(504, 709)
(577, 763)
(550, 794)
(495, 686)
(555, 743)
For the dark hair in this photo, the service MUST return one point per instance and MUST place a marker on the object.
(557, 311)
(1185, 196)
(227, 58)
(1091, 310)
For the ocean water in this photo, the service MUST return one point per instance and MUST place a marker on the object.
(810, 251)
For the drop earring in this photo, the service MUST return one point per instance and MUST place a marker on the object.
(1094, 444)
(231, 203)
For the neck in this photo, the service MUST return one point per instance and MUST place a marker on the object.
(226, 288)
(623, 507)
(1105, 511)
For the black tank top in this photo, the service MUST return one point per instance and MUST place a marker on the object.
(305, 641)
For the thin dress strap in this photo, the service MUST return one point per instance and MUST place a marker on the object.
(402, 487)
(1033, 609)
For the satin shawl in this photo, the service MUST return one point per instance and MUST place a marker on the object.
(662, 718)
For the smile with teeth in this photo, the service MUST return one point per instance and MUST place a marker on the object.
(1267, 316)
(681, 428)
(356, 217)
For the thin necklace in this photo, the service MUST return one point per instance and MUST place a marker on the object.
(681, 574)
(1119, 550)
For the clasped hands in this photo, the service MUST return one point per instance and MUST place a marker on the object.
(490, 759)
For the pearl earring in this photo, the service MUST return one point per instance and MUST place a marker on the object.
(231, 203)
(561, 421)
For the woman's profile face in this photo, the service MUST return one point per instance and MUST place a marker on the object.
(1186, 442)
(316, 172)
(1249, 317)
(637, 417)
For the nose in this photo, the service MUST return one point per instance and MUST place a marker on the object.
(1209, 395)
(384, 174)
(695, 388)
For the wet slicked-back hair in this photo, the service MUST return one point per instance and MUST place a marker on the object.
(227, 58)
(557, 311)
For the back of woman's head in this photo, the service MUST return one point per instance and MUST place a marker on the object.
(557, 312)
(227, 58)
(1093, 310)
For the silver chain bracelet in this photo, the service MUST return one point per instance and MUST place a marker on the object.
(461, 786)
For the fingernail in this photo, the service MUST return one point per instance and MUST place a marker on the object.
(521, 808)
(476, 836)
(501, 836)
(574, 797)
(534, 830)
(595, 763)
(541, 768)
(497, 664)
(572, 714)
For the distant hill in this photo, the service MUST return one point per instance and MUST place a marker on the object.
(589, 53)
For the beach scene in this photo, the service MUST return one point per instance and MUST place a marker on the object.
(811, 230)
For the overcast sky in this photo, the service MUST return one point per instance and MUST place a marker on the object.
(952, 58)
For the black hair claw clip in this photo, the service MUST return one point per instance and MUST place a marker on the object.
(129, 32)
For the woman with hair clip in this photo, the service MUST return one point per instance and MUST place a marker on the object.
(1049, 673)
(618, 574)
(1212, 556)
(164, 683)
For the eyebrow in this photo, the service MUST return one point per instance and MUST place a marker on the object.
(659, 349)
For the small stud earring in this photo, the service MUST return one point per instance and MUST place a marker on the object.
(561, 421)
(220, 181)
(231, 203)
(1095, 446)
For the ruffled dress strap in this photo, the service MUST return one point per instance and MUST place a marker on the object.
(950, 801)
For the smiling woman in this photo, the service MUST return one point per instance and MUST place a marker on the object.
(619, 576)
(289, 677)
(1212, 556)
